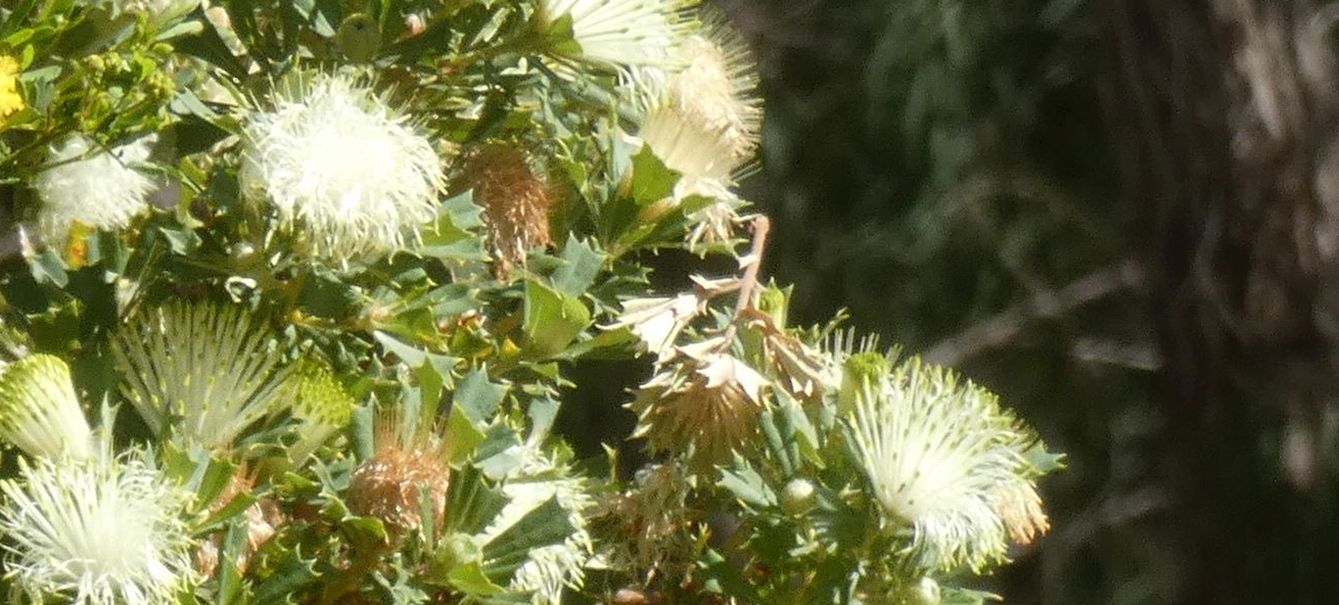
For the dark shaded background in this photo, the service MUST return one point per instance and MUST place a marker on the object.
(1052, 195)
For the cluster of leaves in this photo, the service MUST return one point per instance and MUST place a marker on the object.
(389, 414)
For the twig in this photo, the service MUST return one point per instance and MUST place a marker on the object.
(999, 329)
(749, 283)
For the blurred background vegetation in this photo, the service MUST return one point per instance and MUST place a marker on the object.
(974, 180)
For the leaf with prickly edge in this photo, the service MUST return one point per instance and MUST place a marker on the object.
(581, 264)
(454, 235)
(477, 397)
(747, 485)
(545, 525)
(552, 319)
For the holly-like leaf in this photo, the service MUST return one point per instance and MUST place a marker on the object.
(552, 319)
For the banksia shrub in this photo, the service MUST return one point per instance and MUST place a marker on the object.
(302, 289)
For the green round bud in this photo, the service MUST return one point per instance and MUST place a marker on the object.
(359, 37)
(797, 498)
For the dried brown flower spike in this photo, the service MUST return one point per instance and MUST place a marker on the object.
(705, 404)
(516, 202)
(407, 463)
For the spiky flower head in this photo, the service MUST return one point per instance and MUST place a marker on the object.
(703, 120)
(10, 100)
(39, 412)
(104, 531)
(516, 202)
(203, 373)
(92, 186)
(408, 465)
(717, 87)
(342, 168)
(943, 459)
(705, 405)
(319, 403)
(620, 32)
(539, 478)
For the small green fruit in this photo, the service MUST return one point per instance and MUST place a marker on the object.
(359, 37)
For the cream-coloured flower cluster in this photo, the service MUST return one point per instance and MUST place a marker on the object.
(87, 525)
(942, 458)
(80, 521)
(691, 82)
(95, 527)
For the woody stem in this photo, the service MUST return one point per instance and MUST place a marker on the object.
(749, 283)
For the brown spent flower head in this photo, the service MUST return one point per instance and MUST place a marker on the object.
(707, 404)
(407, 463)
(516, 202)
(652, 522)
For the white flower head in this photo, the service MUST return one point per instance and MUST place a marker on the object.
(203, 373)
(687, 146)
(342, 168)
(945, 460)
(621, 32)
(39, 412)
(703, 119)
(97, 532)
(547, 570)
(98, 188)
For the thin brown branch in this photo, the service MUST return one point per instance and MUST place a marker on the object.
(748, 285)
(997, 330)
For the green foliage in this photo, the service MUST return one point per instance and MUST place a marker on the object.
(379, 238)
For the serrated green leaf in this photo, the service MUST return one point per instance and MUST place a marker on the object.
(291, 575)
(581, 264)
(477, 397)
(472, 503)
(545, 525)
(463, 436)
(552, 319)
(453, 235)
(652, 181)
(364, 532)
(470, 579)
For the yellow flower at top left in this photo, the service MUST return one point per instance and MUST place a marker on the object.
(10, 100)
